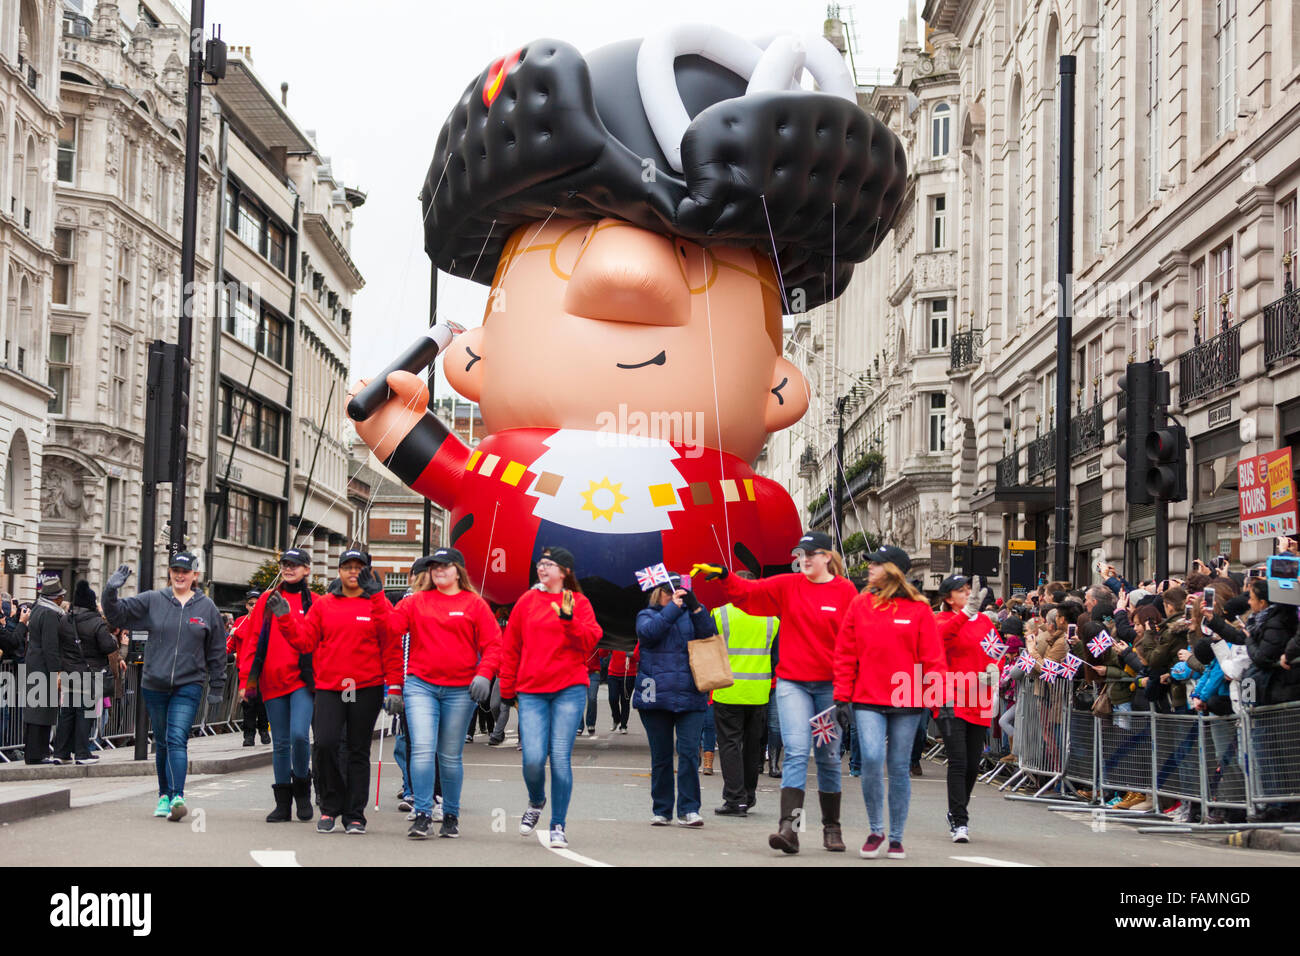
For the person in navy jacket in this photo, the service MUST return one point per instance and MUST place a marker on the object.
(668, 700)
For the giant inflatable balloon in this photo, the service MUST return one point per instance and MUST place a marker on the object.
(643, 216)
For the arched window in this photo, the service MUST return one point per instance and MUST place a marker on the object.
(940, 127)
(1052, 150)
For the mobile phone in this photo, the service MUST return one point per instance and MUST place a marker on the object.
(1070, 630)
(1207, 598)
(686, 583)
(1256, 572)
(1164, 585)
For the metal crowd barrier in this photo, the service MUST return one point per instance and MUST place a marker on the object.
(1042, 735)
(116, 725)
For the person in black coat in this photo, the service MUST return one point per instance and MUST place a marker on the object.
(1270, 632)
(86, 645)
(44, 662)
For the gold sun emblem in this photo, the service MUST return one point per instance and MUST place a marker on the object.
(616, 496)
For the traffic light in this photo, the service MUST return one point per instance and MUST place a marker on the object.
(1137, 387)
(1166, 454)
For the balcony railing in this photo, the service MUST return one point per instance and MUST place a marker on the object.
(1213, 365)
(1086, 431)
(1009, 470)
(1042, 454)
(964, 350)
(869, 478)
(1282, 328)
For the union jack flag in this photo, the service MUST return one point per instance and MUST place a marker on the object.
(993, 645)
(1072, 665)
(1052, 670)
(824, 727)
(652, 576)
(1025, 661)
(1099, 643)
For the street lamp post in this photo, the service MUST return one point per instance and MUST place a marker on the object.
(1064, 321)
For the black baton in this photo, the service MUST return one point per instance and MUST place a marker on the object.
(416, 358)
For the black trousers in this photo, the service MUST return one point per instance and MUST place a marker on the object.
(254, 716)
(72, 733)
(963, 743)
(350, 724)
(36, 737)
(620, 697)
(740, 729)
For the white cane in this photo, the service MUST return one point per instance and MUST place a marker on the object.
(379, 774)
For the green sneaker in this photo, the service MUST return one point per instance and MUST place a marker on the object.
(178, 809)
(164, 807)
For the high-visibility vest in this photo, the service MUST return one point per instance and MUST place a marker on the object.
(749, 649)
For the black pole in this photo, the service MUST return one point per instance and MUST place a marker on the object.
(1064, 321)
(433, 316)
(185, 328)
(837, 486)
(144, 582)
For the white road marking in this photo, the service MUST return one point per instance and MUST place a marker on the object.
(274, 857)
(544, 838)
(607, 819)
(987, 861)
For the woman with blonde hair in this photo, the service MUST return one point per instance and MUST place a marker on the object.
(811, 603)
(454, 653)
(888, 659)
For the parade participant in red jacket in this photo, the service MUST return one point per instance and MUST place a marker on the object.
(972, 684)
(276, 673)
(455, 651)
(622, 683)
(354, 655)
(252, 709)
(889, 666)
(811, 603)
(551, 633)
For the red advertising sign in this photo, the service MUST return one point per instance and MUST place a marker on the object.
(1267, 495)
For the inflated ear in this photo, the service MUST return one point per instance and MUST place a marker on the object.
(464, 363)
(788, 399)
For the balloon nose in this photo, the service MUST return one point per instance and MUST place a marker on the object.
(628, 274)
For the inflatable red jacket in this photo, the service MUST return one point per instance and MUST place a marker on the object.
(888, 655)
(349, 640)
(454, 638)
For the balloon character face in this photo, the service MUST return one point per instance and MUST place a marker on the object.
(604, 326)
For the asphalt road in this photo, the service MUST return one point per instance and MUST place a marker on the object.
(609, 824)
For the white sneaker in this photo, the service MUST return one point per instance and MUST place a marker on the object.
(558, 840)
(960, 835)
(658, 821)
(690, 820)
(411, 815)
(1183, 814)
(528, 822)
(1142, 805)
(436, 815)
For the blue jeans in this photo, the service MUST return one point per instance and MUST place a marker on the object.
(593, 691)
(897, 731)
(402, 755)
(171, 715)
(290, 720)
(659, 727)
(437, 718)
(547, 725)
(773, 725)
(708, 735)
(798, 702)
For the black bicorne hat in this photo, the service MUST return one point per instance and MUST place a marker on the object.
(546, 132)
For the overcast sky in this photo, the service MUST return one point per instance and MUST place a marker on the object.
(377, 79)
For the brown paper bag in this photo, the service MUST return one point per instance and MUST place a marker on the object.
(710, 664)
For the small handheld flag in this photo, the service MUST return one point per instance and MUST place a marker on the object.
(652, 576)
(1072, 665)
(824, 727)
(993, 645)
(1052, 670)
(1099, 643)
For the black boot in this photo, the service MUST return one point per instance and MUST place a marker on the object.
(786, 839)
(249, 738)
(283, 803)
(832, 835)
(302, 797)
(774, 759)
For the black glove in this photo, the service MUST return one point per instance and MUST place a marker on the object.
(480, 689)
(277, 605)
(691, 602)
(118, 577)
(393, 704)
(370, 583)
(508, 701)
(844, 713)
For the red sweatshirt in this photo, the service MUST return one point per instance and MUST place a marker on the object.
(350, 642)
(966, 661)
(890, 656)
(540, 653)
(233, 641)
(810, 618)
(280, 672)
(622, 664)
(454, 638)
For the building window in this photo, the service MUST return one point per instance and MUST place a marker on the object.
(1288, 265)
(939, 222)
(397, 527)
(1154, 160)
(60, 365)
(396, 579)
(1225, 59)
(251, 520)
(938, 422)
(61, 290)
(67, 161)
(250, 225)
(273, 337)
(114, 507)
(124, 304)
(938, 324)
(11, 480)
(276, 246)
(121, 381)
(239, 515)
(162, 195)
(1221, 260)
(940, 122)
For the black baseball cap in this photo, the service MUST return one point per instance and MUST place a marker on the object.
(888, 554)
(421, 564)
(954, 582)
(184, 560)
(352, 554)
(252, 595)
(561, 556)
(814, 541)
(296, 556)
(448, 556)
